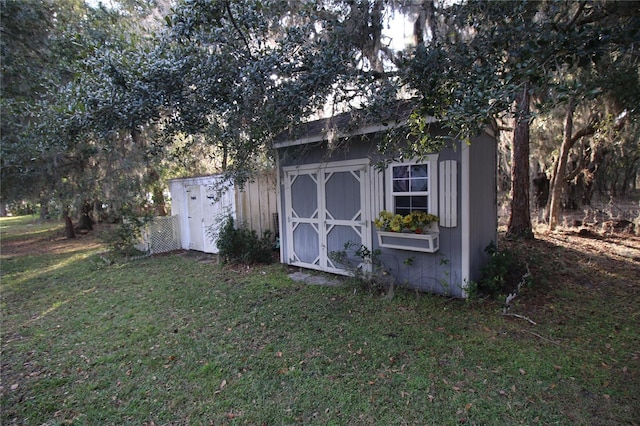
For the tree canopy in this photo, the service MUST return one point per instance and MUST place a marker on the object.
(101, 103)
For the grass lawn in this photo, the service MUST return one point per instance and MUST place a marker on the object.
(175, 340)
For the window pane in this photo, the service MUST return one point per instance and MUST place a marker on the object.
(403, 202)
(419, 184)
(400, 178)
(419, 170)
(419, 203)
(401, 185)
(400, 172)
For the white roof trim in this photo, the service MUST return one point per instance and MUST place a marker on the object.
(372, 128)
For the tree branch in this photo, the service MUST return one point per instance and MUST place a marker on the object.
(530, 321)
(588, 130)
(235, 25)
(591, 128)
(576, 15)
(607, 9)
(580, 168)
(541, 337)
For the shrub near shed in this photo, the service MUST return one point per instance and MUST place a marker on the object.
(242, 245)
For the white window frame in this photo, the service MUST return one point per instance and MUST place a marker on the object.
(432, 175)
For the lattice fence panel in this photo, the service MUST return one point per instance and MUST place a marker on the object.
(163, 234)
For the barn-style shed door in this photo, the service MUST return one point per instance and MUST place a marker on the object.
(326, 207)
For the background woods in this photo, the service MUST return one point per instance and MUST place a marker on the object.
(101, 103)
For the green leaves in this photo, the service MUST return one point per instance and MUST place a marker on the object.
(229, 75)
(498, 46)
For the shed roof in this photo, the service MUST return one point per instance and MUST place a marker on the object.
(351, 123)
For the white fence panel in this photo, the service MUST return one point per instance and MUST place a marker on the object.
(161, 235)
(256, 204)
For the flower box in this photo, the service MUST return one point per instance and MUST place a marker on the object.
(428, 242)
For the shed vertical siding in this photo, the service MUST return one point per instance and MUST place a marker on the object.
(439, 272)
(483, 201)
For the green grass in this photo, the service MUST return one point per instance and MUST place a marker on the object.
(24, 227)
(171, 340)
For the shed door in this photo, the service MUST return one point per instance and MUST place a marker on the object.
(194, 214)
(325, 207)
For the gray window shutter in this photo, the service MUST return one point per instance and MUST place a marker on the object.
(448, 193)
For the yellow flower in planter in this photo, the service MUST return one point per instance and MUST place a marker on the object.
(396, 223)
(384, 220)
(415, 221)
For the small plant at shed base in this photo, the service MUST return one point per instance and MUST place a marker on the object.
(123, 238)
(365, 266)
(242, 245)
(501, 275)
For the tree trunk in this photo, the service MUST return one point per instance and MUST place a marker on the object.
(159, 202)
(44, 206)
(541, 193)
(629, 176)
(557, 181)
(157, 194)
(520, 219)
(225, 156)
(153, 178)
(86, 222)
(44, 212)
(68, 225)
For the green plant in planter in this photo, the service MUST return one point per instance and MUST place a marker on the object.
(416, 222)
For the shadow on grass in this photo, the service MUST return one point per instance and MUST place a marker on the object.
(170, 339)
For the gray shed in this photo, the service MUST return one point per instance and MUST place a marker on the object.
(329, 197)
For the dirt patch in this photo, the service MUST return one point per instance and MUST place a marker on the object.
(52, 243)
(608, 245)
(595, 265)
(198, 256)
